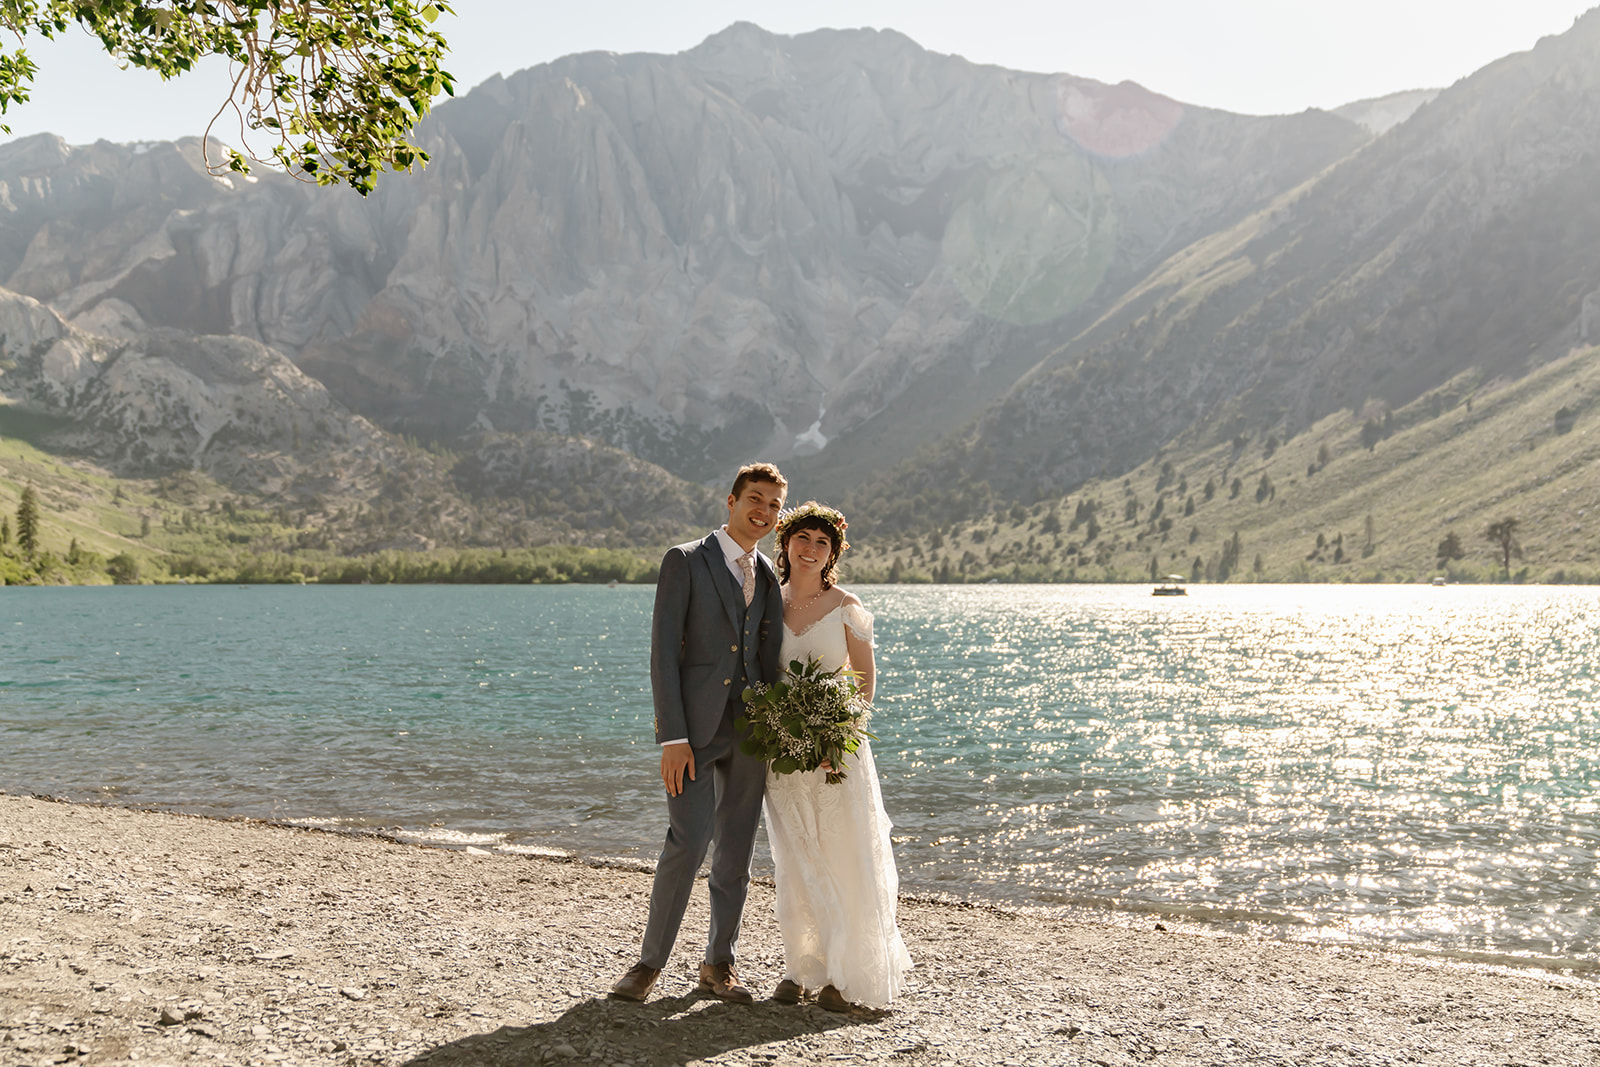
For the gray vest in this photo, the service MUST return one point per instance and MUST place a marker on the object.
(749, 633)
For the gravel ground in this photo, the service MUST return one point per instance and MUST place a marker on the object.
(159, 938)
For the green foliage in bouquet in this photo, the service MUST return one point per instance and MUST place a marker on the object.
(810, 717)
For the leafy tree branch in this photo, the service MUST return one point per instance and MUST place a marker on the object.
(336, 85)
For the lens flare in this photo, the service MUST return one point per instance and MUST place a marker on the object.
(1115, 121)
(1032, 243)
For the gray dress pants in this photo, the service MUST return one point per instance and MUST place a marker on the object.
(721, 807)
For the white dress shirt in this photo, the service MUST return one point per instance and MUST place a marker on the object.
(731, 549)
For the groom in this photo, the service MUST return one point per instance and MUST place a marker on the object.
(718, 628)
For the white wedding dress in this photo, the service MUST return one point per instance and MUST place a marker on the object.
(830, 849)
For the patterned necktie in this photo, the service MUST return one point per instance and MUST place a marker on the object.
(747, 565)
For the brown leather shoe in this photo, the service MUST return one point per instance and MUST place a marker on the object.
(637, 983)
(830, 998)
(722, 982)
(788, 992)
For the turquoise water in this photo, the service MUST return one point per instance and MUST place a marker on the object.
(1412, 766)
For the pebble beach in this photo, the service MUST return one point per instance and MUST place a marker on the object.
(158, 938)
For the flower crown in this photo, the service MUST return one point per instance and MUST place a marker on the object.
(813, 510)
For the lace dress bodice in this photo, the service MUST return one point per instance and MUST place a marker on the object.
(825, 638)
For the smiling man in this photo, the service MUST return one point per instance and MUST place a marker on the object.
(718, 627)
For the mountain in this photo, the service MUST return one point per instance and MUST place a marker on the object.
(156, 402)
(948, 295)
(1465, 239)
(163, 400)
(1352, 499)
(749, 248)
(1380, 114)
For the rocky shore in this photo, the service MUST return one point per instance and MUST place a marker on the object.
(157, 938)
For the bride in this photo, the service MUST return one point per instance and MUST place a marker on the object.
(830, 843)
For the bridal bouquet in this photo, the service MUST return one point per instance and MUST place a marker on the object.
(810, 717)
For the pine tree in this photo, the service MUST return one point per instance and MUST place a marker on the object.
(28, 522)
(1450, 549)
(1232, 549)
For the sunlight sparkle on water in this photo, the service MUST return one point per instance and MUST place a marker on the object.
(1375, 763)
(1408, 765)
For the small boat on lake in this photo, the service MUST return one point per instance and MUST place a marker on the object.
(1173, 586)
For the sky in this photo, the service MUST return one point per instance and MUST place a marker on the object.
(1256, 57)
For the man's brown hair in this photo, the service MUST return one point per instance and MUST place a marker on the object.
(757, 472)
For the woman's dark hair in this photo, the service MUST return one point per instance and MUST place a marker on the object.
(812, 516)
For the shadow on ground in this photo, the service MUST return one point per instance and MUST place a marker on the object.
(661, 1032)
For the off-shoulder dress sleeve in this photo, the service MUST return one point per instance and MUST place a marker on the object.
(859, 620)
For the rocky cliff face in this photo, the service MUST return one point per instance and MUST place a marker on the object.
(1467, 237)
(165, 400)
(155, 401)
(750, 248)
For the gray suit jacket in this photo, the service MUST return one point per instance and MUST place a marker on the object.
(695, 655)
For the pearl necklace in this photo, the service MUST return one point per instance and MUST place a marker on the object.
(790, 605)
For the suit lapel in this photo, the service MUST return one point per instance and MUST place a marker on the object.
(770, 572)
(717, 565)
(772, 618)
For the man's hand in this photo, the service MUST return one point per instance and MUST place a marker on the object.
(676, 760)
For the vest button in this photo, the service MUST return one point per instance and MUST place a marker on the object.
(733, 648)
(727, 681)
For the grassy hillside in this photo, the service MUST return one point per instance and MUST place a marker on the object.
(1360, 496)
(96, 529)
(78, 504)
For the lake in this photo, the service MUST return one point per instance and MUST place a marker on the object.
(1411, 766)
